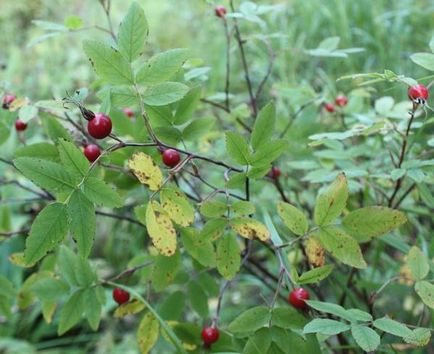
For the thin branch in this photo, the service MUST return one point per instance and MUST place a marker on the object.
(240, 42)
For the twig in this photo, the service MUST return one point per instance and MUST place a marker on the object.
(240, 42)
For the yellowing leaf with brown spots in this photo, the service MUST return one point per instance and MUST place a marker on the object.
(148, 333)
(160, 229)
(250, 228)
(175, 203)
(145, 169)
(129, 308)
(315, 252)
(17, 258)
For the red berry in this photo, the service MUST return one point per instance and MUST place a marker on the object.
(120, 296)
(418, 91)
(341, 101)
(329, 107)
(7, 100)
(220, 11)
(274, 172)
(20, 125)
(128, 112)
(210, 335)
(171, 157)
(100, 126)
(297, 298)
(92, 152)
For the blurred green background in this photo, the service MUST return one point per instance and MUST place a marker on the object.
(388, 30)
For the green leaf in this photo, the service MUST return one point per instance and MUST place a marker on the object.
(243, 208)
(213, 229)
(198, 299)
(162, 66)
(82, 222)
(266, 154)
(237, 148)
(73, 23)
(54, 129)
(44, 151)
(330, 204)
(325, 326)
(197, 128)
(92, 307)
(47, 231)
(294, 219)
(365, 337)
(85, 274)
(365, 223)
(109, 63)
(214, 209)
(341, 246)
(49, 289)
(418, 263)
(328, 307)
(263, 127)
(148, 332)
(185, 110)
(26, 113)
(164, 93)
(419, 337)
(228, 256)
(250, 320)
(200, 248)
(177, 206)
(46, 174)
(425, 60)
(164, 270)
(259, 342)
(133, 32)
(425, 291)
(359, 315)
(73, 159)
(101, 193)
(288, 318)
(67, 263)
(71, 312)
(393, 327)
(315, 275)
(6, 288)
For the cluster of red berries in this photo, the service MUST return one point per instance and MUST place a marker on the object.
(340, 101)
(99, 127)
(6, 103)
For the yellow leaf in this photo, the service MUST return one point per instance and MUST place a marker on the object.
(250, 228)
(175, 203)
(315, 252)
(160, 229)
(148, 332)
(18, 103)
(17, 258)
(145, 169)
(129, 308)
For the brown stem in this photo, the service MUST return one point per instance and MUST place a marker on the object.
(240, 42)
